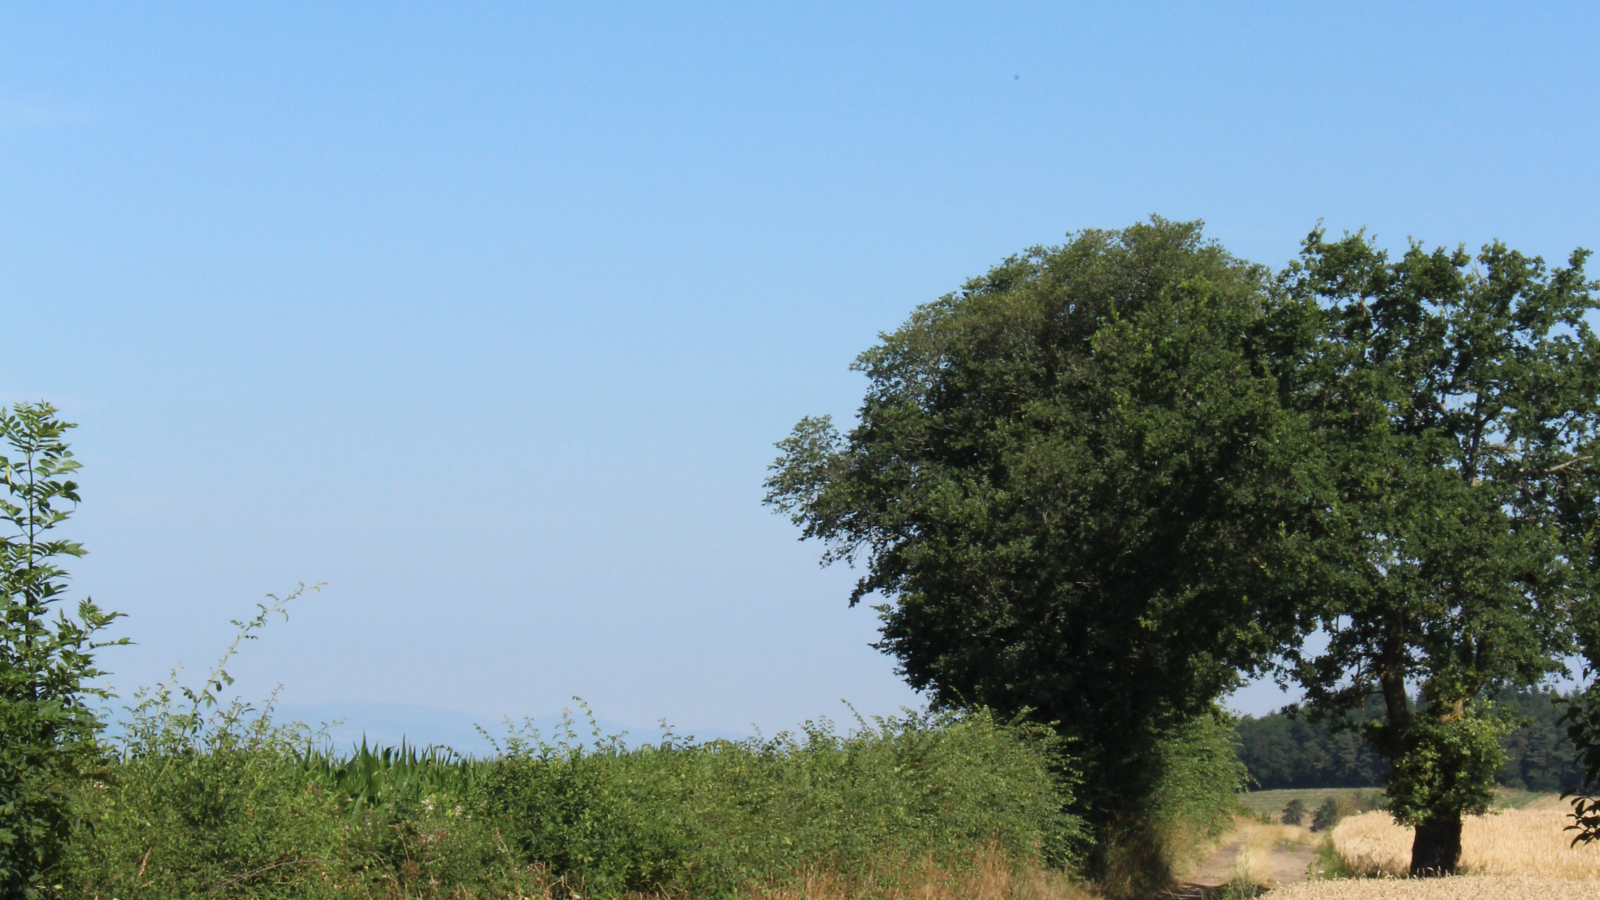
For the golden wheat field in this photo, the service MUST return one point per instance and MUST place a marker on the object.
(1511, 842)
(1461, 887)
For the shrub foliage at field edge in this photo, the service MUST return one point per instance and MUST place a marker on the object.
(241, 808)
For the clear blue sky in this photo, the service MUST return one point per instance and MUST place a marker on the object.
(488, 315)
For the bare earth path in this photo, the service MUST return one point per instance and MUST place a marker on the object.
(1288, 866)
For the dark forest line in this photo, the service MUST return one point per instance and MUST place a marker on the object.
(1285, 750)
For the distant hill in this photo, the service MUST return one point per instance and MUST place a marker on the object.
(1285, 751)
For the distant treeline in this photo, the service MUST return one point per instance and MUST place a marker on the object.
(1283, 750)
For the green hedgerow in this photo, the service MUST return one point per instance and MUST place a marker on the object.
(231, 805)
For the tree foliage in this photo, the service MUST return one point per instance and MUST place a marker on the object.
(1286, 750)
(1283, 750)
(1455, 400)
(47, 732)
(1068, 484)
(1108, 477)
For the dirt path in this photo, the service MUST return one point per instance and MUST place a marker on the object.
(1288, 865)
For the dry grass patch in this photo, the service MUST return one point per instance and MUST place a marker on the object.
(991, 877)
(1257, 841)
(1512, 842)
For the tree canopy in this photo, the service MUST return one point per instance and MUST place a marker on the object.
(1105, 480)
(1286, 749)
(1068, 483)
(1455, 401)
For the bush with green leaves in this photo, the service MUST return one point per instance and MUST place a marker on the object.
(227, 814)
(1448, 764)
(1294, 812)
(1326, 816)
(212, 800)
(708, 819)
(48, 734)
(203, 798)
(1196, 782)
(1199, 775)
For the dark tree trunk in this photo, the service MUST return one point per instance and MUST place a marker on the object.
(1392, 678)
(1437, 848)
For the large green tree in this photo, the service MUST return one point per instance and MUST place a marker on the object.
(1074, 488)
(1454, 400)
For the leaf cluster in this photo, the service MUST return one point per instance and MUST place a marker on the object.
(47, 730)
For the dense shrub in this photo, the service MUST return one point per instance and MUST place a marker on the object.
(1196, 782)
(1294, 812)
(236, 807)
(1326, 815)
(1200, 776)
(704, 819)
(203, 800)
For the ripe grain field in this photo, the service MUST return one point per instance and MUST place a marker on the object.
(1461, 887)
(1513, 842)
(1519, 852)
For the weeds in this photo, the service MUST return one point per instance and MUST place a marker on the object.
(1257, 842)
(1329, 864)
(1240, 888)
(215, 800)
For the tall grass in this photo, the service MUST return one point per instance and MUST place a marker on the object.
(1258, 842)
(704, 818)
(241, 807)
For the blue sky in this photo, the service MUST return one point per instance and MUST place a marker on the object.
(488, 315)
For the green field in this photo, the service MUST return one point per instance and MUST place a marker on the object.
(1512, 798)
(1358, 799)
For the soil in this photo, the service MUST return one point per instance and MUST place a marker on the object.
(1288, 866)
